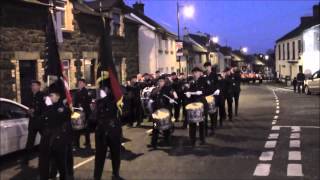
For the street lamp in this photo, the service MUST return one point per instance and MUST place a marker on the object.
(215, 39)
(188, 11)
(266, 57)
(244, 50)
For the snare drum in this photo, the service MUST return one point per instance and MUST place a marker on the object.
(211, 104)
(195, 112)
(162, 119)
(78, 120)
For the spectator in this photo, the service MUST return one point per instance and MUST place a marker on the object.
(294, 83)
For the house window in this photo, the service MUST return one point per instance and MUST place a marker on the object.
(293, 50)
(283, 52)
(116, 24)
(65, 70)
(288, 51)
(160, 42)
(299, 46)
(89, 74)
(279, 52)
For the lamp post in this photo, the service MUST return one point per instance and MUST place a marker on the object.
(188, 11)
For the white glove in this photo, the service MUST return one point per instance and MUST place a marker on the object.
(102, 93)
(188, 94)
(175, 95)
(217, 92)
(198, 92)
(171, 101)
(151, 101)
(48, 101)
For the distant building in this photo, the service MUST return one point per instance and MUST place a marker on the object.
(298, 50)
(157, 45)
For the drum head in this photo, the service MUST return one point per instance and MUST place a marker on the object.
(161, 114)
(209, 99)
(197, 105)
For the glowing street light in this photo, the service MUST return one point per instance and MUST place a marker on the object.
(215, 39)
(266, 57)
(188, 11)
(244, 49)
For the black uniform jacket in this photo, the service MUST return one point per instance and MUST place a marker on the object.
(82, 99)
(39, 106)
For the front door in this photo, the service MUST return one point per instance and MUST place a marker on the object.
(27, 74)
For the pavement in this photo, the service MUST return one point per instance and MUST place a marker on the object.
(275, 136)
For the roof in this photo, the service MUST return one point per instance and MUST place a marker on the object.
(106, 4)
(311, 21)
(83, 8)
(200, 39)
(148, 20)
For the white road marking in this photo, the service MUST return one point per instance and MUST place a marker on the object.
(274, 122)
(277, 111)
(149, 131)
(262, 170)
(295, 136)
(294, 144)
(266, 156)
(276, 128)
(312, 127)
(273, 136)
(294, 156)
(278, 107)
(278, 104)
(83, 162)
(270, 144)
(275, 117)
(277, 100)
(294, 170)
(295, 129)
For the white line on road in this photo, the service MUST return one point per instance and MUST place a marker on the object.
(295, 129)
(278, 107)
(274, 122)
(312, 127)
(149, 131)
(295, 136)
(266, 156)
(83, 162)
(294, 144)
(277, 100)
(262, 170)
(277, 111)
(294, 170)
(294, 155)
(273, 136)
(275, 117)
(275, 128)
(278, 104)
(270, 144)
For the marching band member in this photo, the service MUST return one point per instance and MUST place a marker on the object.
(236, 78)
(108, 131)
(135, 103)
(82, 100)
(211, 90)
(228, 90)
(177, 87)
(56, 136)
(196, 94)
(161, 98)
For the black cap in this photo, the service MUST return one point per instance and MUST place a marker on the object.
(206, 64)
(196, 69)
(162, 77)
(173, 74)
(57, 88)
(226, 69)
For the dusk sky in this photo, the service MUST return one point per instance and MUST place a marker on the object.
(255, 24)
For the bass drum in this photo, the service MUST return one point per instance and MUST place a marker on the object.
(162, 119)
(195, 112)
(145, 99)
(78, 119)
(211, 104)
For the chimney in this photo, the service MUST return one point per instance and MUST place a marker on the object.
(305, 20)
(139, 6)
(316, 10)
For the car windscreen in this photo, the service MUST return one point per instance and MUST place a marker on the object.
(11, 111)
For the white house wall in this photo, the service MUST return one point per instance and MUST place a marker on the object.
(311, 54)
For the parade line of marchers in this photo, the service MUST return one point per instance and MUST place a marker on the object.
(61, 119)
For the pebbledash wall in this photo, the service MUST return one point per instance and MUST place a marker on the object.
(22, 38)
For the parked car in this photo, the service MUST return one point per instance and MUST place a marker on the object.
(312, 85)
(14, 121)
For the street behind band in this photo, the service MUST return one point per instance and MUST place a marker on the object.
(160, 99)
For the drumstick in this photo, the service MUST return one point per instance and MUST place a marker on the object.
(170, 99)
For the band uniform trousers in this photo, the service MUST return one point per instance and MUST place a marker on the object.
(236, 95)
(220, 103)
(103, 140)
(229, 100)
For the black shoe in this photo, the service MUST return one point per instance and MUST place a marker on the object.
(116, 177)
